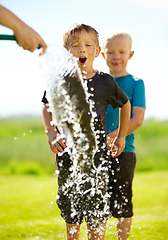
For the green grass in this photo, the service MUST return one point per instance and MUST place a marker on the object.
(28, 210)
(24, 147)
(151, 141)
(28, 187)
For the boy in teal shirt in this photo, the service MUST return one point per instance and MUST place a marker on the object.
(117, 51)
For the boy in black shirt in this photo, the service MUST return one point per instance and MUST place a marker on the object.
(83, 42)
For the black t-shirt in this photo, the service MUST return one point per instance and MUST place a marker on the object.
(103, 90)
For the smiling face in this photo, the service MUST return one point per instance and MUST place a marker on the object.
(83, 46)
(117, 52)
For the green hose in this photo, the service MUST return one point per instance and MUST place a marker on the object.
(10, 37)
(7, 37)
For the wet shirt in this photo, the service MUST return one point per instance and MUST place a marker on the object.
(103, 91)
(135, 90)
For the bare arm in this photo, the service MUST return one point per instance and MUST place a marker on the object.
(56, 142)
(26, 37)
(135, 122)
(119, 142)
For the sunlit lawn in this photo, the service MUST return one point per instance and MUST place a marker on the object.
(28, 210)
(27, 202)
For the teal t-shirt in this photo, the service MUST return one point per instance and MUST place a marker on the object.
(135, 90)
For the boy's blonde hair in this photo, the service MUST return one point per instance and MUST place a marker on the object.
(118, 35)
(77, 28)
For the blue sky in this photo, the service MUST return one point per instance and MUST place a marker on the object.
(21, 84)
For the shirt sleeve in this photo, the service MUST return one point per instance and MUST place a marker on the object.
(119, 98)
(139, 95)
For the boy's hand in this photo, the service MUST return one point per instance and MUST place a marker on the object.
(117, 146)
(57, 144)
(110, 138)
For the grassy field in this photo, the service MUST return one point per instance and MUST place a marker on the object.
(24, 147)
(28, 210)
(151, 141)
(28, 185)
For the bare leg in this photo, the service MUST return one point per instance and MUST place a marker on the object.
(72, 231)
(123, 228)
(97, 233)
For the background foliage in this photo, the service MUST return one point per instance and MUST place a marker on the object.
(24, 147)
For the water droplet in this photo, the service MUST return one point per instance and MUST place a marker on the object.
(57, 172)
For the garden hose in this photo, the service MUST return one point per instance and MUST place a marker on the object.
(10, 37)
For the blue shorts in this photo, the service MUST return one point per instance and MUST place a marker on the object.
(121, 173)
(82, 196)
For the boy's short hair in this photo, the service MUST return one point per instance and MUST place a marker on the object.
(118, 35)
(77, 28)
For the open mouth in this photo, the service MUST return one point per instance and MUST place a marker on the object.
(115, 64)
(82, 60)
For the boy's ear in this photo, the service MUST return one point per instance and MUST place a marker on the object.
(102, 53)
(98, 50)
(131, 54)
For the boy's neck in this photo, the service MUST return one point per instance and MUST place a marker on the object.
(90, 74)
(118, 74)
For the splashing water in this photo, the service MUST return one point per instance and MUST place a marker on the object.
(68, 102)
(73, 114)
